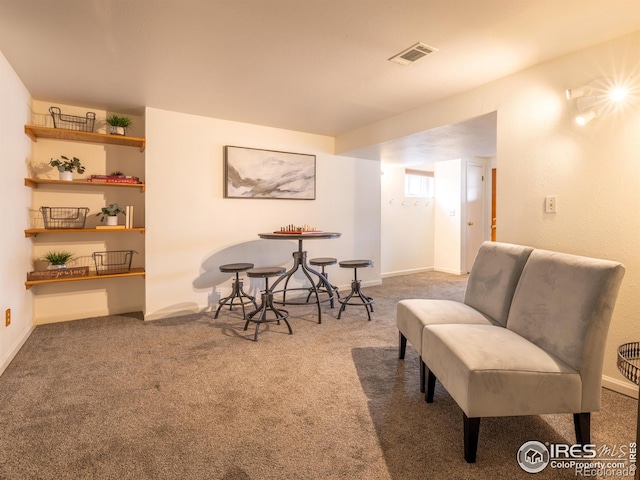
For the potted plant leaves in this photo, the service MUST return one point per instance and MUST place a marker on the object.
(110, 212)
(66, 167)
(118, 124)
(58, 259)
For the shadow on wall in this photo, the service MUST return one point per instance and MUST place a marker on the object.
(262, 253)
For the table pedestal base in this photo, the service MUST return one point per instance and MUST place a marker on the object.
(300, 263)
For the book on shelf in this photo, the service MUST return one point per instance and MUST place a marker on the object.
(128, 216)
(113, 179)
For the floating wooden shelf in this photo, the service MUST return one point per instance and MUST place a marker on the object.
(135, 272)
(34, 182)
(34, 132)
(32, 232)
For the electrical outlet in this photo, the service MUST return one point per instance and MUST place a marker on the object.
(7, 317)
(551, 204)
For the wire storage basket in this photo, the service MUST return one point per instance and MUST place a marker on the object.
(629, 361)
(113, 261)
(64, 217)
(72, 122)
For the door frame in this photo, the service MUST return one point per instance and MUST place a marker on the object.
(485, 219)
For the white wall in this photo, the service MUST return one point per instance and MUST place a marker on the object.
(593, 170)
(448, 206)
(407, 227)
(192, 229)
(14, 152)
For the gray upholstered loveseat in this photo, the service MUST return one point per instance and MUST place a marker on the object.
(528, 339)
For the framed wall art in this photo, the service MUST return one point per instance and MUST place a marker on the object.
(255, 173)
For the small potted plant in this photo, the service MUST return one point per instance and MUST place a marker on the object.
(118, 125)
(58, 259)
(66, 167)
(111, 213)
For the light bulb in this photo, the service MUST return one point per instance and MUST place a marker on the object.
(586, 117)
(617, 94)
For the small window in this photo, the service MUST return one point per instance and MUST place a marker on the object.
(418, 183)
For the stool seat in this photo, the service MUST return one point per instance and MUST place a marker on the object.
(264, 272)
(356, 263)
(356, 293)
(323, 285)
(238, 295)
(235, 267)
(323, 261)
(266, 304)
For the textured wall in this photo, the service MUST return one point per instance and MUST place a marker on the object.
(594, 170)
(192, 229)
(14, 152)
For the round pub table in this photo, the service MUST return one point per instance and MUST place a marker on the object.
(300, 263)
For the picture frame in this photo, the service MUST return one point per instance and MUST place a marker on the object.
(268, 174)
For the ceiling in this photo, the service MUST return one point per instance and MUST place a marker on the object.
(317, 66)
(475, 137)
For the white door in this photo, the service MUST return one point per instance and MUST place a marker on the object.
(474, 212)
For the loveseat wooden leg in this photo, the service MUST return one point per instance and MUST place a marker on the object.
(471, 432)
(423, 369)
(582, 422)
(403, 346)
(431, 384)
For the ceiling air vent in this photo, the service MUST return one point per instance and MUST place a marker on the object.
(411, 54)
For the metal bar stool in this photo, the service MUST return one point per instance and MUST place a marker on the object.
(237, 292)
(323, 285)
(355, 287)
(267, 300)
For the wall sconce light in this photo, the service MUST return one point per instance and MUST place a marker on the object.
(586, 117)
(586, 98)
(597, 98)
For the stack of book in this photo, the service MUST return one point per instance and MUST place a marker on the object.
(128, 216)
(113, 179)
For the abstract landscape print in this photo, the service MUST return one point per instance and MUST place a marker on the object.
(255, 173)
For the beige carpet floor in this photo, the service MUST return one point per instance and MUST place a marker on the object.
(195, 398)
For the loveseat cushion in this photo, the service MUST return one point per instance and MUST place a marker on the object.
(414, 314)
(494, 277)
(492, 371)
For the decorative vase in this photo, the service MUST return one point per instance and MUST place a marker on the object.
(65, 175)
(56, 267)
(116, 130)
(112, 220)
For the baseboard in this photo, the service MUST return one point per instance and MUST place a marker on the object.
(448, 270)
(620, 386)
(399, 273)
(14, 349)
(102, 312)
(179, 310)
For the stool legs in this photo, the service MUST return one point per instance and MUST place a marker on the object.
(356, 292)
(266, 304)
(324, 287)
(236, 292)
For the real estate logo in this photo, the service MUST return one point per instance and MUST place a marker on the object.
(587, 460)
(533, 456)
